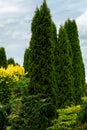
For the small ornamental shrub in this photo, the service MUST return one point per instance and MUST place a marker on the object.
(67, 118)
(8, 77)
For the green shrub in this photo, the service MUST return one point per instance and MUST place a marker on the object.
(3, 119)
(8, 77)
(31, 113)
(66, 120)
(21, 87)
(85, 126)
(82, 116)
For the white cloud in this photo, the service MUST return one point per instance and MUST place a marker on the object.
(9, 9)
(82, 27)
(82, 17)
(82, 23)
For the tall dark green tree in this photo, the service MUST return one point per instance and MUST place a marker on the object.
(26, 59)
(54, 33)
(63, 64)
(41, 66)
(3, 59)
(78, 65)
(11, 61)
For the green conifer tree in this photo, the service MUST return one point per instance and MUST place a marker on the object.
(78, 65)
(26, 59)
(11, 61)
(3, 59)
(54, 30)
(63, 64)
(41, 66)
(54, 34)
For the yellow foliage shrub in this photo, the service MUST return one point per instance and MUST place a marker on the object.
(7, 78)
(13, 72)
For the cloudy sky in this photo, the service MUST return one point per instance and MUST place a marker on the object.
(16, 17)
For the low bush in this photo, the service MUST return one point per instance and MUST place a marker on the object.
(66, 120)
(8, 77)
(33, 113)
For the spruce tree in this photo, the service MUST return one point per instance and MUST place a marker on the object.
(41, 66)
(78, 65)
(3, 59)
(63, 64)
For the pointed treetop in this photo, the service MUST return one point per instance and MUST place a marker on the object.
(44, 4)
(44, 1)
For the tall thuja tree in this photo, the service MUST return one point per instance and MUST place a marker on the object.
(78, 65)
(63, 63)
(41, 66)
(26, 59)
(54, 35)
(3, 59)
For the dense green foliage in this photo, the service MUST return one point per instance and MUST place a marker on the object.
(3, 119)
(26, 59)
(54, 34)
(5, 92)
(63, 63)
(21, 88)
(78, 66)
(10, 61)
(67, 119)
(8, 77)
(41, 66)
(85, 86)
(3, 59)
(82, 116)
(33, 112)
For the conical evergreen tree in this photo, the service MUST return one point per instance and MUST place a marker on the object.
(41, 66)
(78, 65)
(63, 64)
(26, 59)
(3, 59)
(54, 32)
(10, 61)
